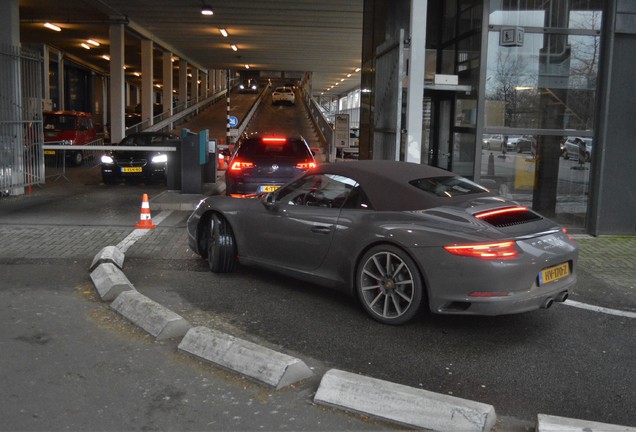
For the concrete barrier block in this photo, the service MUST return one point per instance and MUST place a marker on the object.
(549, 423)
(157, 320)
(110, 281)
(254, 361)
(401, 404)
(109, 254)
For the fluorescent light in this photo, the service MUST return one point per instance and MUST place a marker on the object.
(137, 74)
(206, 10)
(234, 47)
(92, 42)
(341, 79)
(247, 66)
(357, 70)
(223, 32)
(106, 57)
(348, 75)
(86, 46)
(52, 27)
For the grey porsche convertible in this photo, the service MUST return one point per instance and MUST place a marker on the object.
(399, 236)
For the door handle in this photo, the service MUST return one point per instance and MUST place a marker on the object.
(321, 229)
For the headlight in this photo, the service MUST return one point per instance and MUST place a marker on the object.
(162, 158)
(241, 86)
(107, 159)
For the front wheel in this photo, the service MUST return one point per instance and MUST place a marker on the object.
(389, 285)
(221, 246)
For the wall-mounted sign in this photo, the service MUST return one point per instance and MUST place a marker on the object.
(511, 37)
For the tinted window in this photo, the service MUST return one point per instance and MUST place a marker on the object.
(59, 122)
(289, 148)
(448, 186)
(326, 190)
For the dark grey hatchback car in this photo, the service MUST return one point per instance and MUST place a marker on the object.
(264, 163)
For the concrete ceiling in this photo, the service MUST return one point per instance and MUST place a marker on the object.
(319, 36)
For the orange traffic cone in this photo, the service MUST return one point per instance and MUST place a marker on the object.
(145, 220)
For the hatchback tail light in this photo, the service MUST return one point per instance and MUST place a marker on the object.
(306, 165)
(497, 251)
(239, 165)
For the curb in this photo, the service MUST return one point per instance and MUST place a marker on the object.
(155, 319)
(254, 361)
(110, 281)
(402, 404)
(548, 423)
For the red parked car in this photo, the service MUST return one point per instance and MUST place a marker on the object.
(72, 128)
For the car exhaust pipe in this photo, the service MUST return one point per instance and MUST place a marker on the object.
(562, 297)
(547, 303)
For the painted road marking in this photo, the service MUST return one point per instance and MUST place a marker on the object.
(140, 232)
(600, 309)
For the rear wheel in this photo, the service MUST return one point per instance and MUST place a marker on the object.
(389, 285)
(77, 158)
(221, 247)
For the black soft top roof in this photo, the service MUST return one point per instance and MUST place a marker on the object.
(386, 183)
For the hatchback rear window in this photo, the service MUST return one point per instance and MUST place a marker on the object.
(258, 148)
(448, 186)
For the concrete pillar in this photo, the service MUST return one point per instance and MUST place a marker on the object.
(415, 94)
(183, 83)
(61, 88)
(195, 86)
(46, 83)
(10, 96)
(117, 81)
(147, 75)
(167, 81)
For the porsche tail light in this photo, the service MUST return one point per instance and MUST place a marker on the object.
(493, 251)
(239, 165)
(306, 165)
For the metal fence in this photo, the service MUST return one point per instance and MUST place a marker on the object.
(21, 133)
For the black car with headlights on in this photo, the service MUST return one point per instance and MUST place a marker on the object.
(139, 158)
(264, 163)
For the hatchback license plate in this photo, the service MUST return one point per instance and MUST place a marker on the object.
(131, 169)
(268, 188)
(554, 273)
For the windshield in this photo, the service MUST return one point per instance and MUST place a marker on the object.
(59, 122)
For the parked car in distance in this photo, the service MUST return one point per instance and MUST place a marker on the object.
(572, 146)
(147, 165)
(492, 141)
(250, 85)
(283, 95)
(264, 163)
(72, 128)
(520, 143)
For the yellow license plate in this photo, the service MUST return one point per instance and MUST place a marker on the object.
(49, 152)
(269, 188)
(131, 169)
(554, 273)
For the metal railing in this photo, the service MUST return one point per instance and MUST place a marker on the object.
(21, 133)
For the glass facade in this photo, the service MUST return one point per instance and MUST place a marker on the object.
(540, 88)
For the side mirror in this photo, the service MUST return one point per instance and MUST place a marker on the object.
(270, 201)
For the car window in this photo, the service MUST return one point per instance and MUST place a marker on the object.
(448, 186)
(324, 190)
(59, 122)
(289, 148)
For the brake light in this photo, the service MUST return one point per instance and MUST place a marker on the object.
(238, 165)
(306, 165)
(274, 140)
(500, 211)
(499, 251)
